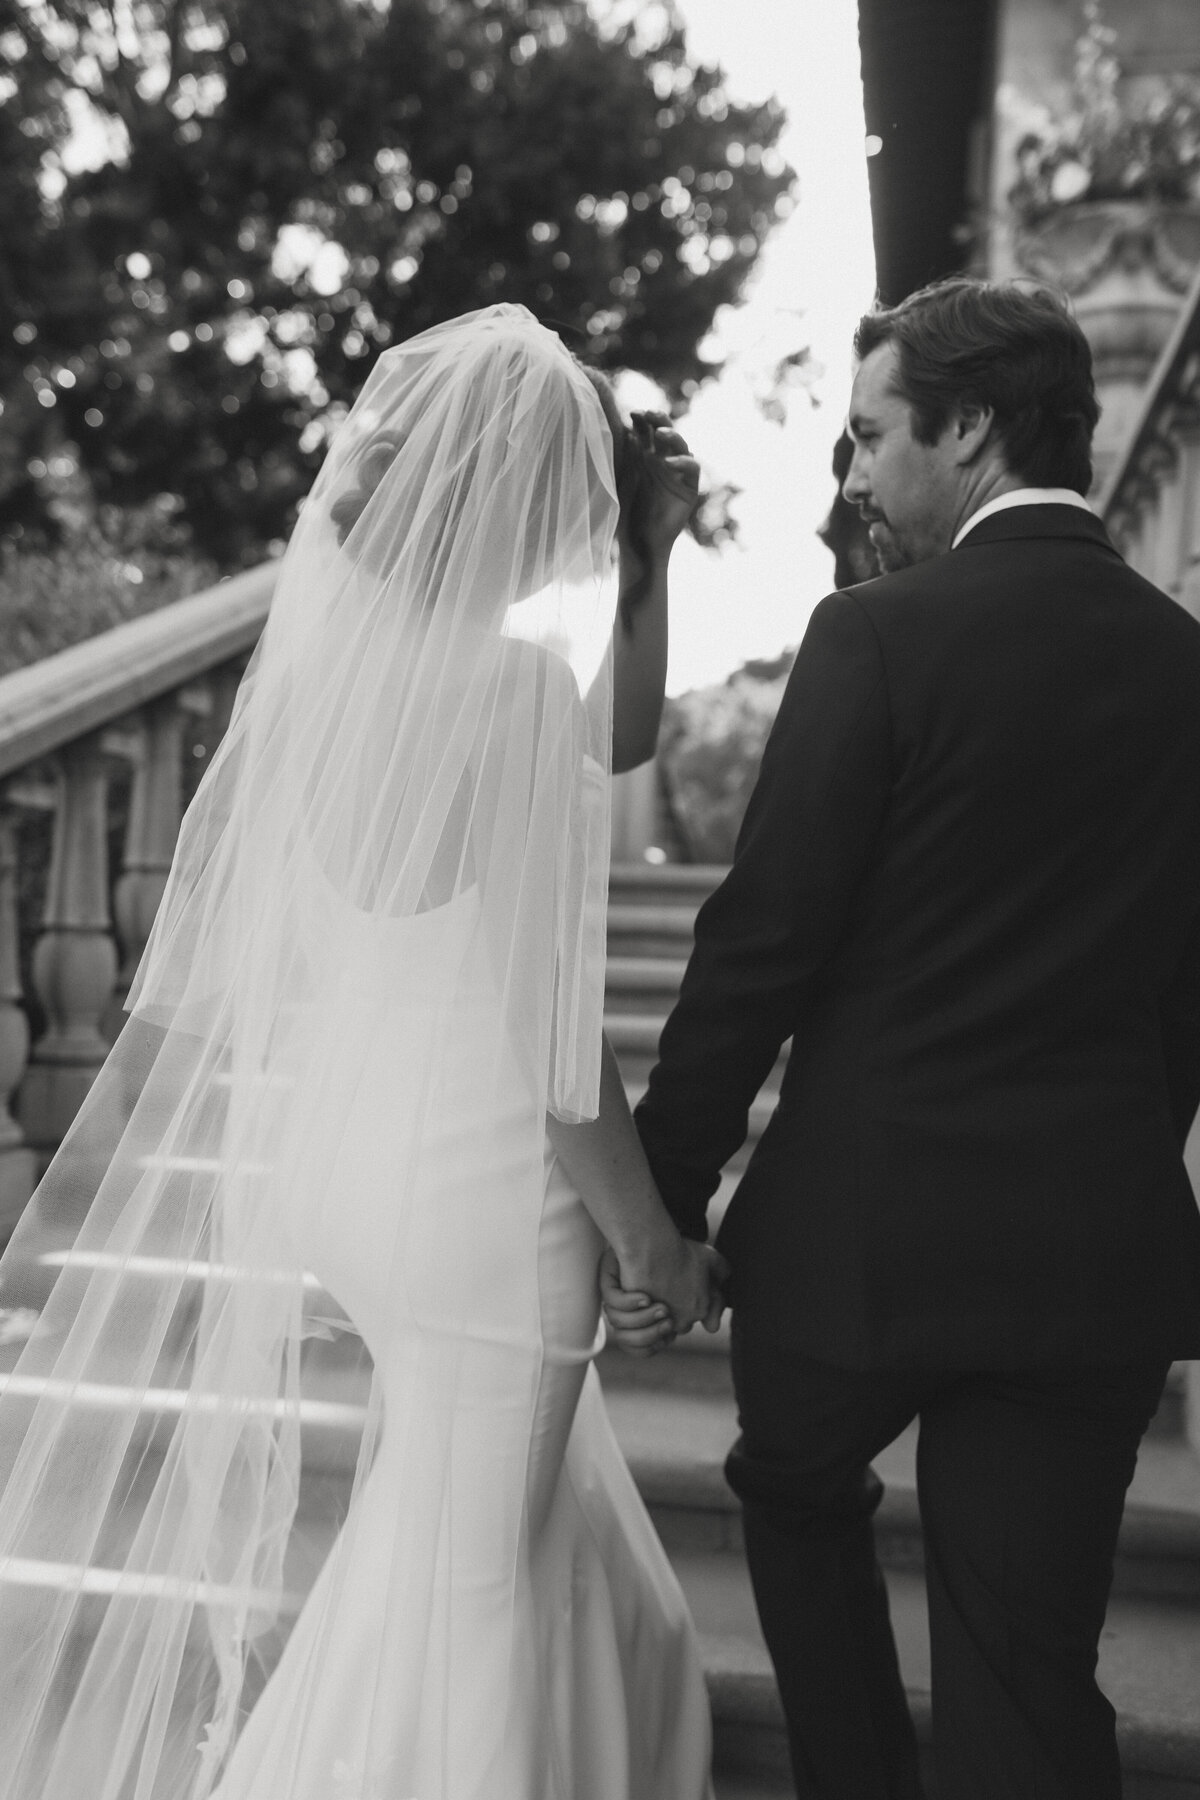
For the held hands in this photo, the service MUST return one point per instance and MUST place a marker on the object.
(655, 1298)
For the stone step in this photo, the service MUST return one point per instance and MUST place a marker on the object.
(330, 1427)
(1149, 1668)
(699, 1363)
(675, 1442)
(634, 1034)
(664, 883)
(639, 928)
(642, 983)
(652, 909)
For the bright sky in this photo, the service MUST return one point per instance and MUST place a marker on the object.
(816, 276)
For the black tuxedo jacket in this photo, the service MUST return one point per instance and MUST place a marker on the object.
(968, 888)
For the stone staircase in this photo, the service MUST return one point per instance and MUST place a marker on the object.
(674, 1416)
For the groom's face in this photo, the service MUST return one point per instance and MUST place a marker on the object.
(908, 492)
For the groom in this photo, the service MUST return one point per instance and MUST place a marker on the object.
(968, 889)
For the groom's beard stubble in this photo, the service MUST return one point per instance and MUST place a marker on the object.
(923, 539)
(891, 554)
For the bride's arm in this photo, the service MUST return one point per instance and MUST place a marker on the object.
(639, 664)
(663, 504)
(605, 1161)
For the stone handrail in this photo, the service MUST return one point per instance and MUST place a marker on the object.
(86, 687)
(115, 710)
(76, 729)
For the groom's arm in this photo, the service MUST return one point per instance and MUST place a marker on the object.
(809, 831)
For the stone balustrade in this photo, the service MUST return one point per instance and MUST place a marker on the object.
(105, 722)
(1150, 500)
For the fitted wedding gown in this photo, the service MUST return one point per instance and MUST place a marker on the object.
(509, 1628)
(377, 969)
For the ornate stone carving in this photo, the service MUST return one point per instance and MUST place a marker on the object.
(1080, 245)
(1126, 265)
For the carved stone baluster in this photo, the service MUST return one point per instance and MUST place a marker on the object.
(1136, 549)
(1143, 503)
(1189, 547)
(1121, 528)
(1161, 467)
(155, 808)
(75, 961)
(16, 1158)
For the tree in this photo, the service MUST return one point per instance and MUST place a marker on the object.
(709, 752)
(238, 202)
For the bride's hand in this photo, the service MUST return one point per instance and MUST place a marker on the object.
(653, 1297)
(669, 486)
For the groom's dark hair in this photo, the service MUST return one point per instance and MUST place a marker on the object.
(1015, 349)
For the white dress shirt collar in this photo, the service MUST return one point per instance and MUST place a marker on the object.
(1030, 496)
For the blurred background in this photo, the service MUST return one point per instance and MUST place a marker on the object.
(215, 213)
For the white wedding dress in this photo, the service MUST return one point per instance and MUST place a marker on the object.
(377, 969)
(509, 1628)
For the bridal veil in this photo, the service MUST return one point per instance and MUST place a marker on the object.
(404, 832)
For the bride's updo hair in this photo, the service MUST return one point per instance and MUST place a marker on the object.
(373, 464)
(466, 450)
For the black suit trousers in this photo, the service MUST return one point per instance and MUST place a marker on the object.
(1021, 1482)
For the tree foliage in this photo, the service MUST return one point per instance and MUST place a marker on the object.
(214, 213)
(709, 752)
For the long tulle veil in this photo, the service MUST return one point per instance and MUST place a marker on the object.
(417, 753)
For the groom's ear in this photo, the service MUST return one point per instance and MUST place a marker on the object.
(972, 425)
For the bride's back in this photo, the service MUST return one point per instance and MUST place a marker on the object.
(385, 918)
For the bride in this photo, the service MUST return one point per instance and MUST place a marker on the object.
(364, 1081)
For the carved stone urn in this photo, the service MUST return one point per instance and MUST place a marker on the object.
(1126, 265)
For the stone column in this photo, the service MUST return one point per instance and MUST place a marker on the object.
(1135, 521)
(155, 809)
(1164, 523)
(75, 962)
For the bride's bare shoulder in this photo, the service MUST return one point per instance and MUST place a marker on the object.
(537, 674)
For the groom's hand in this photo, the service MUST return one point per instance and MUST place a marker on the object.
(643, 1325)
